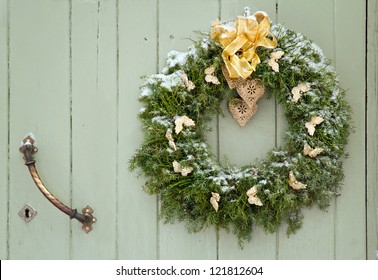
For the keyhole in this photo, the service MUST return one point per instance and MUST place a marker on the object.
(27, 213)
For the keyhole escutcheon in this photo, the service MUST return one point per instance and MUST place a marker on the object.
(27, 213)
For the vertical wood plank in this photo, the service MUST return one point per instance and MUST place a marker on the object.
(313, 19)
(39, 103)
(137, 211)
(350, 216)
(372, 130)
(177, 21)
(4, 129)
(94, 124)
(232, 8)
(316, 237)
(243, 146)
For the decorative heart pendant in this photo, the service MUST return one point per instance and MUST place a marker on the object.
(240, 111)
(251, 91)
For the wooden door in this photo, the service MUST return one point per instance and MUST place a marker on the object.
(70, 73)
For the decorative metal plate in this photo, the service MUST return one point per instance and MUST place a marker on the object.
(89, 219)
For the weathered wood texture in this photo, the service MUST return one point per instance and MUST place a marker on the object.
(350, 222)
(94, 123)
(372, 130)
(137, 226)
(70, 73)
(39, 63)
(4, 130)
(318, 226)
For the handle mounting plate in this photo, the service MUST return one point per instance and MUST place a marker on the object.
(89, 219)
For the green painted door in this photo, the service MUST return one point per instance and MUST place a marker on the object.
(70, 73)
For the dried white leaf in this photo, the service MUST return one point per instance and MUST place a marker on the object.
(252, 191)
(210, 78)
(294, 183)
(210, 70)
(276, 55)
(214, 203)
(255, 200)
(177, 168)
(298, 90)
(214, 199)
(181, 121)
(310, 128)
(186, 170)
(315, 152)
(168, 135)
(315, 120)
(311, 152)
(274, 65)
(273, 61)
(307, 149)
(296, 94)
(252, 196)
(184, 78)
(216, 196)
(171, 142)
(189, 84)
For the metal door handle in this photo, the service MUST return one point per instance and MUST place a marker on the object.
(86, 218)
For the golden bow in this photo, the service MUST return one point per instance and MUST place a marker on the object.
(240, 41)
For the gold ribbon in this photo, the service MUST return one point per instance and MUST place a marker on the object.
(240, 42)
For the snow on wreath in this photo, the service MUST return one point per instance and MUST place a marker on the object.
(240, 61)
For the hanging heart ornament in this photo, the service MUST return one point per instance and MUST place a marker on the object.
(250, 90)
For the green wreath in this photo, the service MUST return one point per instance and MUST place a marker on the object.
(195, 187)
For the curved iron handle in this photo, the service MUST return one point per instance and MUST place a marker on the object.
(86, 218)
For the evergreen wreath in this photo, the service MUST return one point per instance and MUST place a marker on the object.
(195, 187)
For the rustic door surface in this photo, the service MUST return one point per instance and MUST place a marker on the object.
(70, 74)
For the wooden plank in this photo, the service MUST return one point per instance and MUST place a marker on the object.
(313, 19)
(232, 8)
(39, 90)
(316, 237)
(4, 129)
(372, 131)
(261, 132)
(177, 21)
(94, 124)
(350, 217)
(137, 211)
